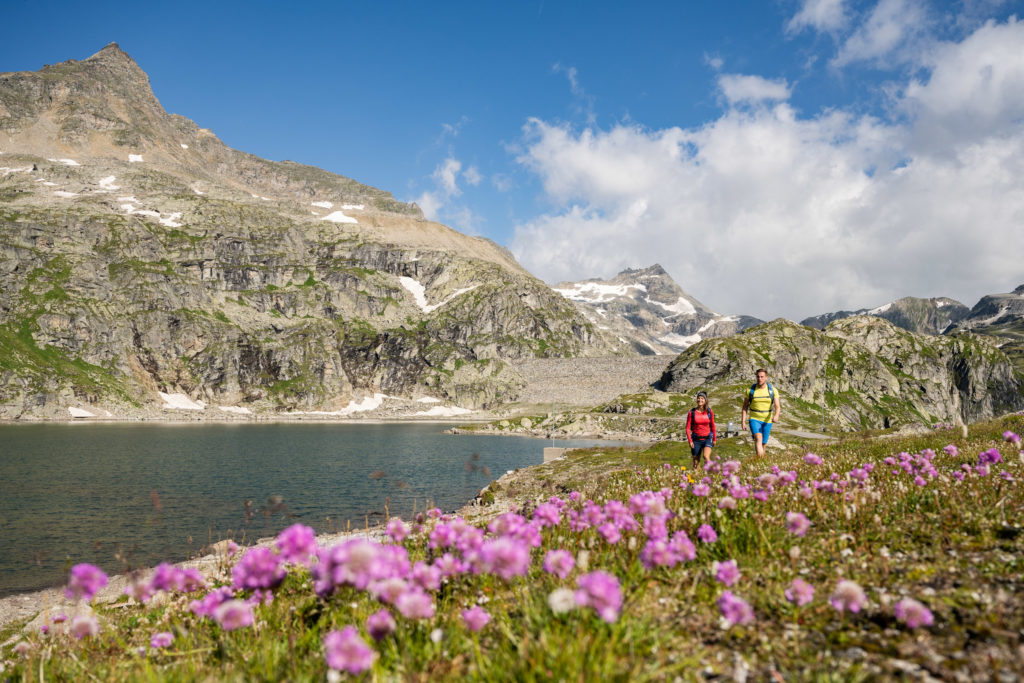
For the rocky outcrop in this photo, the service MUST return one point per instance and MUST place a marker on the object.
(139, 254)
(921, 316)
(649, 310)
(866, 372)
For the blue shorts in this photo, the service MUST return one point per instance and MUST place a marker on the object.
(700, 443)
(762, 428)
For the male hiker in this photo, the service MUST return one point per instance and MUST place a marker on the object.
(764, 405)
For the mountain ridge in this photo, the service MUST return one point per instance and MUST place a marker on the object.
(143, 258)
(647, 308)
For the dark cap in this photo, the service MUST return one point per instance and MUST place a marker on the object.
(702, 393)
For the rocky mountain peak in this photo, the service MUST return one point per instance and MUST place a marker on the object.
(649, 309)
(147, 266)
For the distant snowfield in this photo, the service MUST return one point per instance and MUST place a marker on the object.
(442, 411)
(180, 402)
(419, 294)
(680, 340)
(6, 169)
(238, 410)
(880, 309)
(428, 399)
(66, 162)
(595, 292)
(368, 403)
(171, 220)
(108, 183)
(266, 199)
(351, 207)
(323, 205)
(184, 146)
(65, 194)
(680, 307)
(134, 158)
(339, 217)
(79, 412)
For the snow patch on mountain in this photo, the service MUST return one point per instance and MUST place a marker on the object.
(680, 307)
(595, 292)
(339, 217)
(419, 293)
(880, 309)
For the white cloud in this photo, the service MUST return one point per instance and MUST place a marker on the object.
(472, 176)
(889, 34)
(745, 88)
(441, 202)
(446, 175)
(819, 15)
(584, 102)
(975, 89)
(430, 203)
(771, 214)
(714, 61)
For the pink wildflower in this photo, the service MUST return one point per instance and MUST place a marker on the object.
(210, 602)
(610, 533)
(727, 503)
(85, 581)
(345, 651)
(601, 591)
(547, 514)
(415, 604)
(427, 576)
(161, 639)
(83, 626)
(396, 530)
(682, 546)
(913, 614)
(258, 568)
(1011, 438)
(559, 562)
(812, 459)
(233, 614)
(799, 592)
(475, 618)
(726, 572)
(707, 533)
(297, 544)
(505, 557)
(380, 624)
(848, 596)
(735, 610)
(797, 523)
(951, 450)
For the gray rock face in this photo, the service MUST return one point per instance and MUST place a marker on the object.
(995, 310)
(868, 372)
(140, 254)
(649, 310)
(921, 316)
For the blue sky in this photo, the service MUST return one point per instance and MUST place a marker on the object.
(779, 158)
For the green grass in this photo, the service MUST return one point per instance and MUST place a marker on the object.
(956, 547)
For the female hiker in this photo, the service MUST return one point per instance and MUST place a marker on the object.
(700, 430)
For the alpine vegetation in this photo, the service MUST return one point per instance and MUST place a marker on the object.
(869, 558)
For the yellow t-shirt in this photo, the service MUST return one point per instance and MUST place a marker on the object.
(761, 407)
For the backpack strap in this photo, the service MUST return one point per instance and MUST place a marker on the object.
(771, 392)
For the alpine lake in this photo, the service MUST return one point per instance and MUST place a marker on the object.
(129, 495)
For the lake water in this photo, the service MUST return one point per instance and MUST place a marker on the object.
(130, 495)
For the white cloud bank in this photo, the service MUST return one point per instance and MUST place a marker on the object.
(770, 213)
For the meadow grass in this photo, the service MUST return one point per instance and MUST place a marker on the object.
(913, 548)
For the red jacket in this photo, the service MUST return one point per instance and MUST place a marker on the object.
(700, 425)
